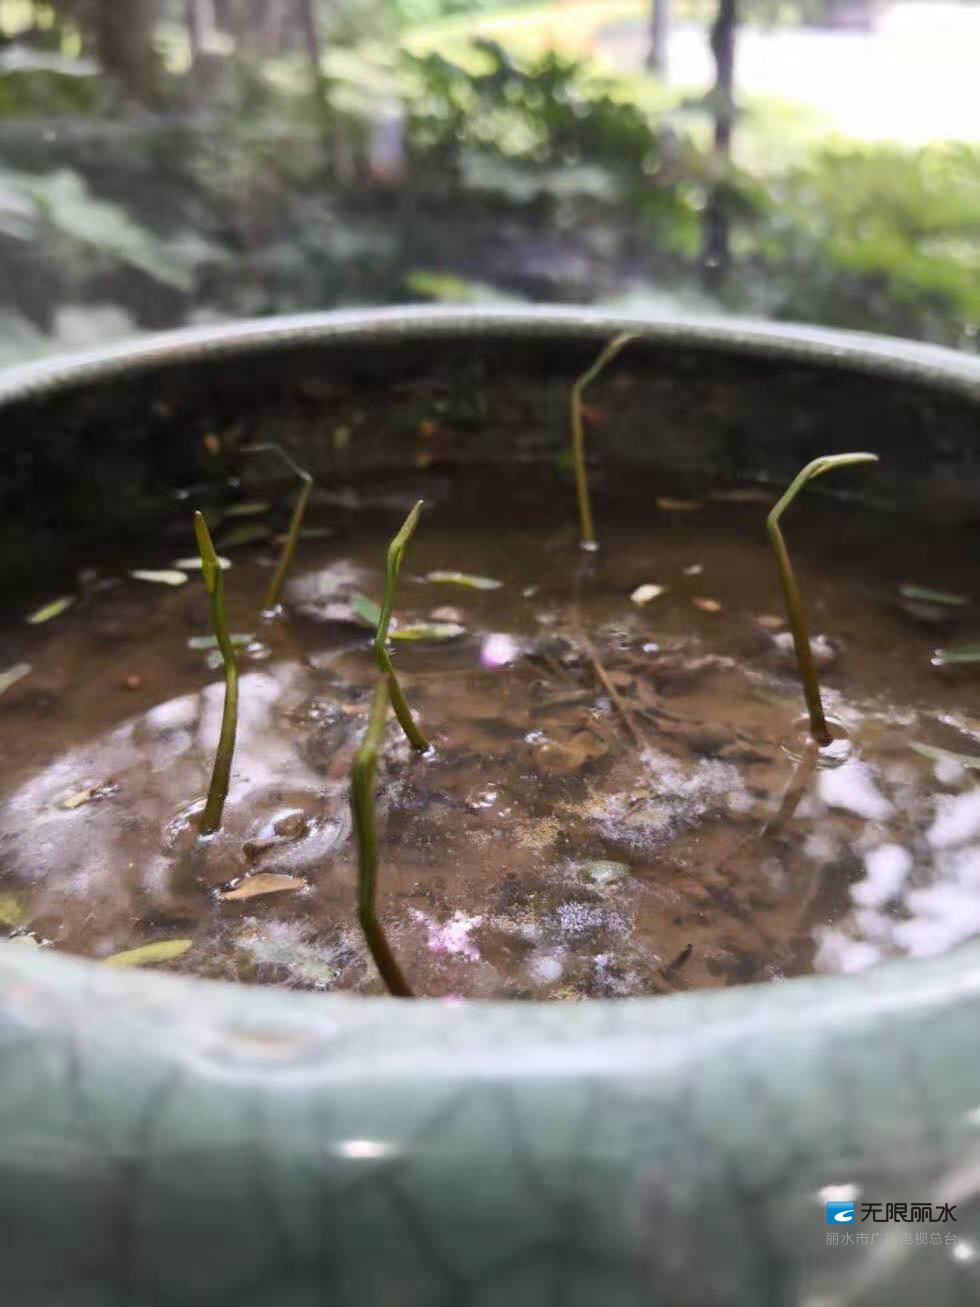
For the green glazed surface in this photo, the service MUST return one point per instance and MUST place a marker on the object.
(188, 1143)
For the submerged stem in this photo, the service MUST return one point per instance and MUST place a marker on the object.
(396, 552)
(791, 595)
(586, 524)
(221, 772)
(363, 772)
(274, 592)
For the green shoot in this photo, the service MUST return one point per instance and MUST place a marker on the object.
(363, 772)
(292, 539)
(221, 774)
(791, 595)
(586, 525)
(396, 552)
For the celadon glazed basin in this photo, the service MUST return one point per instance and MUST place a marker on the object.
(165, 1141)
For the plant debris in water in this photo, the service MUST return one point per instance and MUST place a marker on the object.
(957, 654)
(161, 577)
(465, 579)
(249, 533)
(620, 801)
(12, 675)
(923, 593)
(48, 612)
(150, 955)
(264, 882)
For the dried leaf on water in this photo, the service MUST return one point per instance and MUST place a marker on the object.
(955, 654)
(102, 790)
(369, 612)
(12, 675)
(54, 609)
(263, 882)
(11, 913)
(706, 605)
(366, 609)
(194, 564)
(148, 955)
(465, 579)
(419, 631)
(165, 576)
(678, 505)
(251, 508)
(199, 642)
(945, 755)
(249, 533)
(924, 594)
(643, 594)
(743, 495)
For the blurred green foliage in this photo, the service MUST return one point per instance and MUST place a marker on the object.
(482, 175)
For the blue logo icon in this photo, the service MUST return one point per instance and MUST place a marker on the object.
(840, 1213)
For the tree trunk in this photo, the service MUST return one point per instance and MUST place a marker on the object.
(723, 49)
(124, 44)
(320, 87)
(715, 244)
(659, 35)
(200, 28)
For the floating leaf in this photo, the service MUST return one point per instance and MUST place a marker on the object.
(194, 564)
(921, 592)
(199, 642)
(678, 505)
(604, 871)
(957, 653)
(264, 882)
(464, 578)
(166, 576)
(302, 961)
(643, 594)
(367, 610)
(249, 533)
(53, 609)
(12, 675)
(707, 605)
(11, 913)
(148, 955)
(428, 631)
(743, 495)
(253, 508)
(945, 755)
(102, 790)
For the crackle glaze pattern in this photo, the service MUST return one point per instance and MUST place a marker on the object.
(167, 1142)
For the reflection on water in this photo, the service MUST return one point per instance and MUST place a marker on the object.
(629, 812)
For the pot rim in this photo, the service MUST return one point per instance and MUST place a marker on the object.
(933, 365)
(890, 987)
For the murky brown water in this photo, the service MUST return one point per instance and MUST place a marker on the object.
(615, 802)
